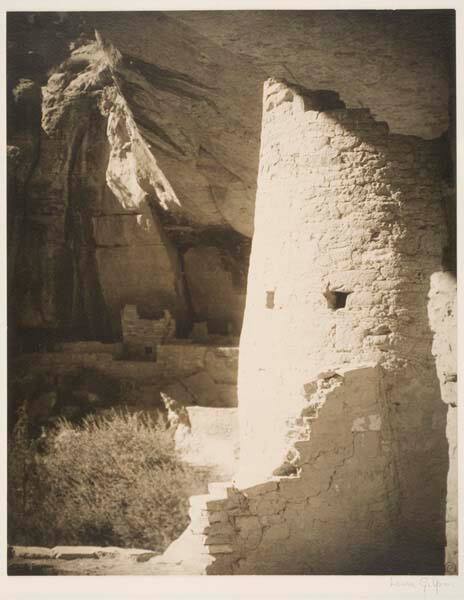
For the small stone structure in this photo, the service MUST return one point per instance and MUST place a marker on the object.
(142, 336)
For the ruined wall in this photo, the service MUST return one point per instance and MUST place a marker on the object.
(115, 350)
(337, 515)
(349, 230)
(142, 336)
(201, 401)
(198, 382)
(193, 375)
(208, 438)
(176, 362)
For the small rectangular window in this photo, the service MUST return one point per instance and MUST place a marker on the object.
(270, 299)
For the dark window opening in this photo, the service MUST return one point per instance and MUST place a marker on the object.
(270, 299)
(148, 350)
(336, 300)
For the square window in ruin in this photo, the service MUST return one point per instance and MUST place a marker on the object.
(336, 300)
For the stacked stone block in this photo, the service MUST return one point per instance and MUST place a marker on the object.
(335, 516)
(142, 336)
(182, 359)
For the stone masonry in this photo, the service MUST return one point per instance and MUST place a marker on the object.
(343, 424)
(335, 516)
(142, 336)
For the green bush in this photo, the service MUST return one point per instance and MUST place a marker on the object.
(114, 480)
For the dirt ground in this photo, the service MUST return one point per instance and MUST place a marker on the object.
(91, 566)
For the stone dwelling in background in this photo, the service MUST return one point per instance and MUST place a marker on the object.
(142, 336)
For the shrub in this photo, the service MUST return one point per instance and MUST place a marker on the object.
(24, 501)
(113, 480)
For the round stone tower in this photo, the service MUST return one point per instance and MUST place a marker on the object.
(349, 229)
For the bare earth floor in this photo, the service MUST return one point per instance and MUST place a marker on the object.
(89, 566)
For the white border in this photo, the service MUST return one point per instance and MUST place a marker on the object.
(305, 587)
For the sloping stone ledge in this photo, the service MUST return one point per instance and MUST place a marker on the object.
(77, 552)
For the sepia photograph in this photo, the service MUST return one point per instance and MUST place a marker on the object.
(231, 292)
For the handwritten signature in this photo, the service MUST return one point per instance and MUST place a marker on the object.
(426, 584)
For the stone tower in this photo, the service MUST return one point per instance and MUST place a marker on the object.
(342, 404)
(349, 230)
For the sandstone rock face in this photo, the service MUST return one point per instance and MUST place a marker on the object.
(149, 145)
(216, 282)
(90, 229)
(188, 97)
(91, 214)
(394, 62)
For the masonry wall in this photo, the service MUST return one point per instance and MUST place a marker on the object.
(337, 515)
(196, 375)
(142, 336)
(349, 231)
(442, 314)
